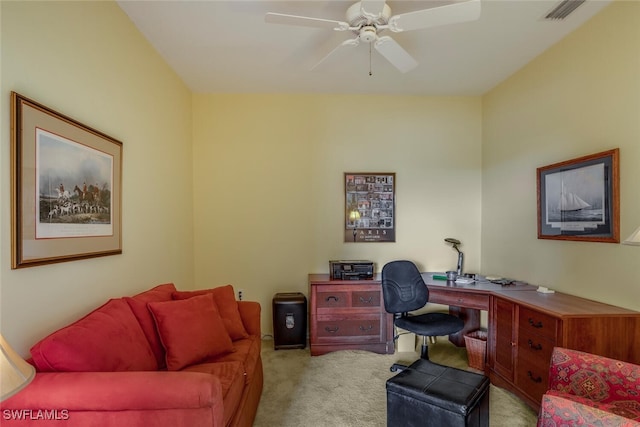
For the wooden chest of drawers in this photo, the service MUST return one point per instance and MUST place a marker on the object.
(537, 334)
(348, 315)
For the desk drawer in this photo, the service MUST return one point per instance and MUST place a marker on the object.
(531, 321)
(534, 352)
(459, 298)
(365, 299)
(532, 381)
(332, 299)
(334, 329)
(532, 370)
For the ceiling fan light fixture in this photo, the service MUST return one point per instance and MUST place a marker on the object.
(368, 34)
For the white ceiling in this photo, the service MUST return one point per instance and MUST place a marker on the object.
(220, 46)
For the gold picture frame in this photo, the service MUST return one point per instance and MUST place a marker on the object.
(579, 199)
(66, 188)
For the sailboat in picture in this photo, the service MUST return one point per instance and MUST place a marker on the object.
(570, 202)
(576, 199)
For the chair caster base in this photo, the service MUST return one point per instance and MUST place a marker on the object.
(398, 367)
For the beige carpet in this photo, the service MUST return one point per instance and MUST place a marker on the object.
(347, 388)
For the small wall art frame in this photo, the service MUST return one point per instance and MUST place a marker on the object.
(370, 207)
(579, 199)
(66, 187)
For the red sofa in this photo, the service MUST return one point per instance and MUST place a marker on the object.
(590, 390)
(160, 358)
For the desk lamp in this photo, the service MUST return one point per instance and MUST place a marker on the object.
(15, 373)
(354, 216)
(455, 243)
(634, 239)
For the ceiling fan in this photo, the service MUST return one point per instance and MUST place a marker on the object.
(368, 19)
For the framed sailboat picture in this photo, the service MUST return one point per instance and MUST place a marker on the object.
(579, 199)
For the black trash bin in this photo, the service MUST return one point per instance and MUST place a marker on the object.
(289, 320)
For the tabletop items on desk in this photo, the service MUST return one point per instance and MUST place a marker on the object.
(470, 278)
(505, 282)
(501, 281)
(452, 276)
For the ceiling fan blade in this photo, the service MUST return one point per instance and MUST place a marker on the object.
(436, 16)
(395, 54)
(305, 21)
(372, 8)
(344, 45)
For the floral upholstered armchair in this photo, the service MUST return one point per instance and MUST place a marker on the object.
(590, 390)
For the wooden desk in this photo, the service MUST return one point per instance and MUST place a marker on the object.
(524, 325)
(466, 300)
(349, 314)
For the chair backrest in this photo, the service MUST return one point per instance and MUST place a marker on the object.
(403, 288)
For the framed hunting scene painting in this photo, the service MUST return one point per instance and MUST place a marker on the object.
(66, 187)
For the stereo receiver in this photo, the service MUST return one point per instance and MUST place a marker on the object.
(351, 270)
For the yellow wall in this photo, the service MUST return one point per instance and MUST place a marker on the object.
(86, 60)
(268, 192)
(580, 97)
(247, 189)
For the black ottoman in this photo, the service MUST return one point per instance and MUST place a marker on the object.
(430, 394)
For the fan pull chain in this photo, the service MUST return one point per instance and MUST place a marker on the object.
(370, 73)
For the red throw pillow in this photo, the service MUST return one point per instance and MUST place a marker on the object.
(157, 293)
(108, 339)
(191, 330)
(138, 304)
(225, 299)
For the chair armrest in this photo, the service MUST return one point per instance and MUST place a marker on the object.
(250, 314)
(558, 410)
(593, 377)
(119, 391)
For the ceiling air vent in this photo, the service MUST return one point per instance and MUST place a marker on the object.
(562, 10)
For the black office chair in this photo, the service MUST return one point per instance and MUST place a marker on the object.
(403, 291)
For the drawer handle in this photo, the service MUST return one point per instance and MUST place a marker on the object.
(534, 324)
(368, 328)
(332, 330)
(367, 300)
(534, 379)
(331, 297)
(535, 347)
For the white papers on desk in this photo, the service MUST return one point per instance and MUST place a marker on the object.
(464, 280)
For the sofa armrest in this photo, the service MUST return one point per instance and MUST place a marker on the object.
(250, 314)
(593, 377)
(120, 391)
(557, 410)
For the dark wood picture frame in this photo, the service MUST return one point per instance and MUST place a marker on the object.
(66, 188)
(579, 199)
(370, 207)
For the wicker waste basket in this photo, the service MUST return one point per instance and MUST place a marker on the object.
(476, 343)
